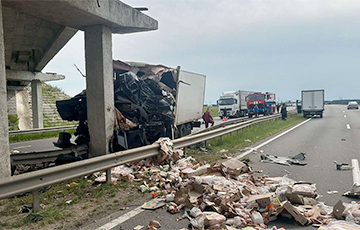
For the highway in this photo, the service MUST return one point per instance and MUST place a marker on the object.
(334, 137)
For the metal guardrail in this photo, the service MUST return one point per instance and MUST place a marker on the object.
(31, 182)
(50, 129)
(45, 156)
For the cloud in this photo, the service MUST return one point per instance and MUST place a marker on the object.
(274, 45)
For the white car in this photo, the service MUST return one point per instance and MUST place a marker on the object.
(353, 105)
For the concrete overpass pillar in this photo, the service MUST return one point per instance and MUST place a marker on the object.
(99, 88)
(37, 104)
(4, 136)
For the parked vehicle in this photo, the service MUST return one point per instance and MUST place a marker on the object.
(233, 103)
(265, 103)
(312, 102)
(353, 105)
(158, 101)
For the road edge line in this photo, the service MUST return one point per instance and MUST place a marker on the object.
(271, 140)
(114, 223)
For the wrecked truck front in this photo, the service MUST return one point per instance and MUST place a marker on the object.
(143, 94)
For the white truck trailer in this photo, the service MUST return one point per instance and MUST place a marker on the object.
(190, 101)
(233, 103)
(312, 102)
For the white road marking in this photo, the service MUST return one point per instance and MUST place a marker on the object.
(347, 126)
(344, 116)
(343, 111)
(121, 219)
(22, 147)
(138, 210)
(272, 139)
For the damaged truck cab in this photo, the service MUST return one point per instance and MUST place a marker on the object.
(151, 101)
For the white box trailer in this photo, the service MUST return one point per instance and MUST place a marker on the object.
(233, 103)
(189, 100)
(312, 102)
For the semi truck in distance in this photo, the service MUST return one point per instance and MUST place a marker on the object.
(265, 103)
(233, 103)
(151, 101)
(312, 102)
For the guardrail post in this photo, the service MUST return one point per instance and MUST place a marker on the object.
(221, 139)
(237, 133)
(108, 176)
(35, 200)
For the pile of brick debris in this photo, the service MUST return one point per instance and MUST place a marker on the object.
(229, 195)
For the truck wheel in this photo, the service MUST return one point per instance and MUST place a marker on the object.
(321, 115)
(221, 117)
(182, 131)
(304, 115)
(188, 128)
(250, 115)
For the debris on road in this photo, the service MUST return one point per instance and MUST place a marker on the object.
(153, 204)
(223, 151)
(155, 224)
(295, 160)
(227, 194)
(340, 225)
(342, 166)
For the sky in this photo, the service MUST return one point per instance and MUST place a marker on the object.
(279, 46)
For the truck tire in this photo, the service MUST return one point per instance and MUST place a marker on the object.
(188, 128)
(304, 114)
(321, 115)
(182, 130)
(250, 115)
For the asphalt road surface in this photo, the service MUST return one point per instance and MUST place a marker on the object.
(334, 137)
(35, 145)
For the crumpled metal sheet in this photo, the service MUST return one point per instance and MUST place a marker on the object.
(296, 160)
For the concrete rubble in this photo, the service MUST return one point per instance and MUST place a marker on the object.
(229, 195)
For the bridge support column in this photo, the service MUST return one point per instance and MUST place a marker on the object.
(99, 88)
(4, 130)
(37, 104)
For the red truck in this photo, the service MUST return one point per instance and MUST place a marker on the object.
(265, 103)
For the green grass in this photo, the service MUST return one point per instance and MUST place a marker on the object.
(37, 136)
(13, 122)
(213, 110)
(83, 192)
(234, 143)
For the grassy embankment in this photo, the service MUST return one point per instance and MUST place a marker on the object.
(37, 136)
(50, 94)
(213, 110)
(86, 200)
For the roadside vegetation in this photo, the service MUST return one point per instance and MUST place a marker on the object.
(213, 110)
(68, 205)
(37, 136)
(232, 144)
(13, 122)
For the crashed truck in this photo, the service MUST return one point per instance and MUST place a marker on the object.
(151, 101)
